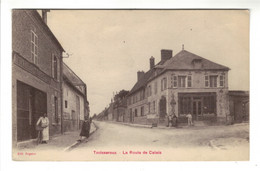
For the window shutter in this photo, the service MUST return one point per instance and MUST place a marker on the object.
(189, 81)
(52, 65)
(174, 81)
(58, 69)
(206, 81)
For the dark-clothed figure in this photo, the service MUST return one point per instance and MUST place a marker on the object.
(174, 121)
(85, 129)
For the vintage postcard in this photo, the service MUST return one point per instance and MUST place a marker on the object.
(130, 85)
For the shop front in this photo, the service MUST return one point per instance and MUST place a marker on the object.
(202, 106)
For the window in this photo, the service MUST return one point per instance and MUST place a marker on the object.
(130, 112)
(56, 117)
(55, 67)
(163, 84)
(149, 107)
(66, 104)
(206, 81)
(181, 81)
(136, 113)
(149, 91)
(153, 106)
(189, 81)
(184, 105)
(221, 81)
(213, 81)
(141, 95)
(34, 47)
(142, 111)
(173, 80)
(155, 88)
(209, 104)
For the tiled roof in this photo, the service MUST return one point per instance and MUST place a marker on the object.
(142, 82)
(181, 61)
(71, 76)
(184, 60)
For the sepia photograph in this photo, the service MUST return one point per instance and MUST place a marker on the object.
(130, 85)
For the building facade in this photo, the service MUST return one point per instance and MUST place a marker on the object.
(75, 104)
(120, 106)
(36, 75)
(180, 84)
(239, 106)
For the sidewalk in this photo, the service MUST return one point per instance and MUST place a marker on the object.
(180, 125)
(59, 142)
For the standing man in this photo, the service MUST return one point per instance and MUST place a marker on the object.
(169, 120)
(189, 116)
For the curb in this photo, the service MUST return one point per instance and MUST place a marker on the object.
(129, 124)
(75, 144)
(145, 126)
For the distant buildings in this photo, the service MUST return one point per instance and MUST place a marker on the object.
(37, 79)
(116, 111)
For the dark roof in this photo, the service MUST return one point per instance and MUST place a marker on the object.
(71, 76)
(141, 82)
(185, 59)
(181, 61)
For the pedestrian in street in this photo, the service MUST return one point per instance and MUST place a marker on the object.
(189, 116)
(174, 121)
(43, 122)
(85, 129)
(169, 120)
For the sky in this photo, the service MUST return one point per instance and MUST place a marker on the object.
(108, 47)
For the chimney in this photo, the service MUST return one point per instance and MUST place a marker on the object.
(140, 74)
(166, 54)
(44, 15)
(151, 62)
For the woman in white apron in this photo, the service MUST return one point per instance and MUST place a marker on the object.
(44, 123)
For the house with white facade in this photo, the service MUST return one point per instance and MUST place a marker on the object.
(75, 104)
(180, 84)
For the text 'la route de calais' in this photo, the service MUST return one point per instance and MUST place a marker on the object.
(128, 152)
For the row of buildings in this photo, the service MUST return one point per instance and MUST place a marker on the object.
(182, 84)
(41, 82)
(116, 110)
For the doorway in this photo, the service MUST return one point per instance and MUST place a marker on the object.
(31, 104)
(197, 111)
(162, 105)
